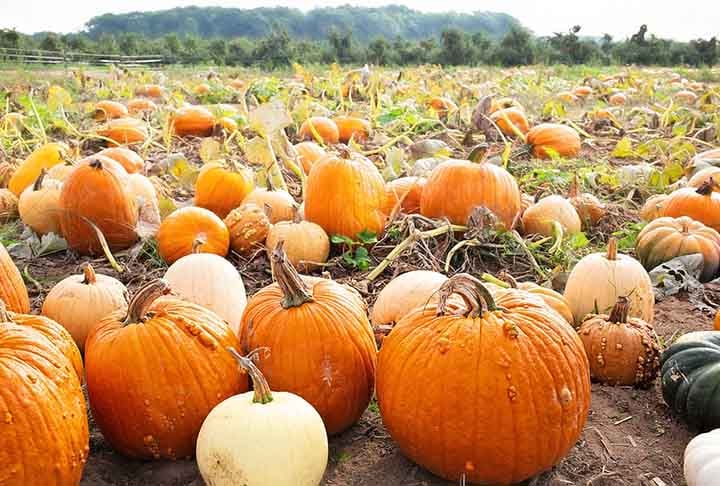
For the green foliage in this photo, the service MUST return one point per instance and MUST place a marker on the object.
(355, 254)
(627, 235)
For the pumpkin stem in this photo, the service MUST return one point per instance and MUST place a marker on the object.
(295, 292)
(500, 282)
(89, 273)
(199, 241)
(5, 315)
(574, 190)
(262, 393)
(509, 279)
(612, 249)
(619, 313)
(478, 153)
(143, 299)
(38, 182)
(475, 295)
(96, 164)
(707, 187)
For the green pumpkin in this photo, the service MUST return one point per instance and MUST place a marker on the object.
(691, 378)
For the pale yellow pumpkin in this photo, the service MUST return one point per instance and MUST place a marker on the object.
(405, 293)
(306, 244)
(39, 205)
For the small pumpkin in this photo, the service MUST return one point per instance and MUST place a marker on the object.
(510, 121)
(212, 282)
(473, 184)
(228, 124)
(548, 138)
(335, 372)
(279, 204)
(701, 465)
(405, 293)
(193, 120)
(181, 349)
(590, 209)
(129, 159)
(124, 131)
(39, 205)
(151, 90)
(248, 226)
(618, 99)
(352, 127)
(107, 110)
(201, 89)
(686, 97)
(346, 196)
(701, 204)
(8, 206)
(622, 350)
(405, 191)
(78, 302)
(653, 207)
(227, 451)
(306, 244)
(454, 356)
(192, 230)
(703, 176)
(582, 91)
(140, 106)
(567, 97)
(324, 128)
(45, 157)
(442, 106)
(96, 194)
(666, 238)
(308, 154)
(551, 216)
(222, 189)
(44, 437)
(598, 279)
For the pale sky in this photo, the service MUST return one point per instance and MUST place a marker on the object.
(620, 18)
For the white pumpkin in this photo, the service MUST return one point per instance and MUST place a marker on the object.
(597, 281)
(702, 460)
(210, 281)
(262, 438)
(81, 301)
(405, 293)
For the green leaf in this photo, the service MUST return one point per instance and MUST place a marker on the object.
(623, 149)
(578, 241)
(341, 240)
(367, 237)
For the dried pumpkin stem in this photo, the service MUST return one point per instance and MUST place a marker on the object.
(707, 187)
(471, 290)
(262, 393)
(143, 299)
(295, 292)
(38, 182)
(89, 274)
(508, 279)
(96, 164)
(620, 310)
(612, 249)
(199, 241)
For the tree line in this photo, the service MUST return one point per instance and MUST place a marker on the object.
(279, 48)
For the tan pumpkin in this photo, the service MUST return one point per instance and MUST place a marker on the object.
(306, 244)
(590, 209)
(249, 227)
(686, 97)
(8, 206)
(279, 205)
(548, 215)
(548, 138)
(39, 205)
(653, 207)
(79, 302)
(405, 293)
(703, 176)
(709, 158)
(222, 189)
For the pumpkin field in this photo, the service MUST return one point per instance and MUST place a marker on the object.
(360, 276)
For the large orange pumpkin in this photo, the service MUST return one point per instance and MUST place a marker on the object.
(155, 372)
(189, 230)
(12, 287)
(193, 120)
(510, 121)
(95, 192)
(406, 191)
(324, 127)
(346, 196)
(335, 372)
(560, 139)
(466, 390)
(43, 421)
(352, 127)
(220, 189)
(701, 204)
(129, 159)
(124, 131)
(456, 187)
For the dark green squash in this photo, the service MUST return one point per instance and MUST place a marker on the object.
(691, 378)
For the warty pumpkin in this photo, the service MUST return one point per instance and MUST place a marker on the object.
(308, 154)
(222, 189)
(666, 238)
(551, 216)
(8, 206)
(480, 370)
(96, 193)
(124, 131)
(306, 244)
(45, 157)
(653, 207)
(193, 120)
(248, 226)
(44, 431)
(192, 230)
(622, 350)
(510, 121)
(286, 425)
(335, 372)
(552, 137)
(598, 279)
(404, 193)
(346, 196)
(212, 282)
(325, 129)
(107, 110)
(12, 287)
(456, 187)
(701, 204)
(79, 302)
(181, 349)
(352, 127)
(129, 159)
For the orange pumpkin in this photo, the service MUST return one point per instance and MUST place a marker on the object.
(335, 372)
(306, 245)
(201, 89)
(129, 159)
(567, 97)
(125, 131)
(151, 90)
(325, 128)
(481, 370)
(192, 230)
(560, 139)
(406, 191)
(181, 349)
(618, 99)
(193, 121)
(503, 103)
(95, 192)
(510, 121)
(653, 207)
(590, 209)
(716, 321)
(308, 154)
(44, 438)
(220, 189)
(442, 106)
(582, 91)
(701, 204)
(346, 196)
(141, 105)
(554, 300)
(12, 287)
(44, 157)
(456, 187)
(107, 110)
(352, 127)
(279, 205)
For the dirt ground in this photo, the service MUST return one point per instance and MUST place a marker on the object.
(630, 437)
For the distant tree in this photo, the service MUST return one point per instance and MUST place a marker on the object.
(454, 48)
(707, 50)
(172, 45)
(378, 52)
(515, 48)
(51, 42)
(9, 38)
(218, 50)
(274, 50)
